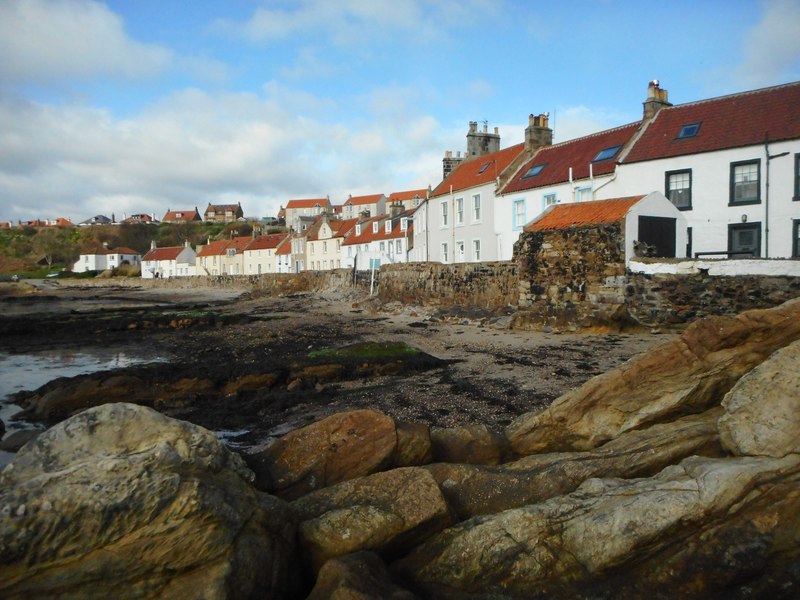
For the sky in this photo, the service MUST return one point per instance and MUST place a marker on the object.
(139, 106)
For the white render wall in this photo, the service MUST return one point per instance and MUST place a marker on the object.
(710, 214)
(654, 204)
(467, 232)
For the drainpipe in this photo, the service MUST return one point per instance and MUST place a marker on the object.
(766, 196)
(605, 183)
(571, 185)
(452, 248)
(591, 181)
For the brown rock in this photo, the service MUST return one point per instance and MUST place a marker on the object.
(83, 393)
(762, 411)
(687, 375)
(472, 490)
(698, 530)
(250, 383)
(121, 500)
(387, 512)
(341, 447)
(16, 440)
(471, 444)
(359, 576)
(413, 444)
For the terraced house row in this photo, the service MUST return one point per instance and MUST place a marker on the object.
(721, 177)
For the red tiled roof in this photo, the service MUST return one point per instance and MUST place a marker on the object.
(362, 200)
(122, 250)
(581, 214)
(185, 215)
(167, 253)
(578, 154)
(267, 242)
(408, 195)
(307, 203)
(285, 247)
(468, 173)
(726, 122)
(215, 248)
(368, 236)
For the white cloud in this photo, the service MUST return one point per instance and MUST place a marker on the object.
(771, 49)
(195, 147)
(55, 40)
(577, 121)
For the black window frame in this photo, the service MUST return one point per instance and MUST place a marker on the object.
(530, 172)
(693, 127)
(613, 150)
(796, 197)
(795, 238)
(667, 175)
(756, 226)
(739, 163)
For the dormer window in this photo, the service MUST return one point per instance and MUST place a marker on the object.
(358, 229)
(607, 153)
(375, 227)
(689, 131)
(403, 224)
(533, 171)
(388, 227)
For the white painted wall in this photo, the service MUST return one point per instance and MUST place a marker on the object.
(654, 204)
(471, 229)
(710, 214)
(719, 268)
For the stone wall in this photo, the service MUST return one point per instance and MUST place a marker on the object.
(490, 286)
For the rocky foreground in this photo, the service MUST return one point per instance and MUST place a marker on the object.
(676, 475)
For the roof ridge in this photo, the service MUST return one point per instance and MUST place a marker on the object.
(734, 94)
(592, 135)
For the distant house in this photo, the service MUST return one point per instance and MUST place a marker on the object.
(324, 242)
(283, 255)
(305, 207)
(171, 261)
(223, 257)
(409, 199)
(57, 222)
(374, 205)
(377, 241)
(223, 213)
(95, 220)
(137, 219)
(182, 216)
(105, 258)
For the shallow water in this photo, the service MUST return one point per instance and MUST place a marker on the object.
(20, 372)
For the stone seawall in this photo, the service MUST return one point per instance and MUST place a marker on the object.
(490, 286)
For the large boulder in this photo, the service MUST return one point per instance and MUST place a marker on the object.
(386, 512)
(120, 499)
(338, 448)
(683, 376)
(472, 490)
(473, 444)
(704, 528)
(762, 411)
(359, 576)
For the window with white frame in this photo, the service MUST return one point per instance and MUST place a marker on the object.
(382, 246)
(476, 207)
(358, 228)
(460, 251)
(444, 213)
(583, 194)
(375, 226)
(678, 186)
(388, 226)
(550, 199)
(459, 211)
(519, 213)
(476, 250)
(398, 246)
(444, 252)
(404, 224)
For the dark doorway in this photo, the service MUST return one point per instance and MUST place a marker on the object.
(658, 232)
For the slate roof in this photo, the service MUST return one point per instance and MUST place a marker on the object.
(478, 171)
(166, 253)
(578, 154)
(725, 122)
(582, 214)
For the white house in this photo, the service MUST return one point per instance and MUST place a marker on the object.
(459, 214)
(305, 207)
(373, 204)
(259, 256)
(101, 260)
(171, 261)
(378, 241)
(324, 243)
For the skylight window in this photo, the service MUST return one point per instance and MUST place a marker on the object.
(484, 167)
(689, 130)
(607, 153)
(533, 171)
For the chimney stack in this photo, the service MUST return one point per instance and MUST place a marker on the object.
(152, 244)
(538, 133)
(657, 98)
